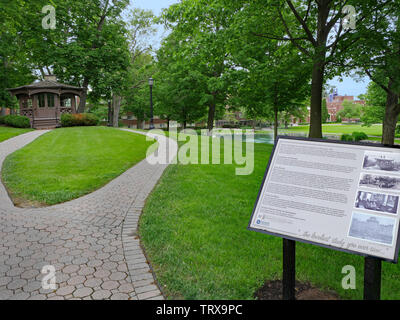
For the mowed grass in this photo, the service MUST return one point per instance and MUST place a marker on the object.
(68, 163)
(374, 130)
(194, 230)
(8, 132)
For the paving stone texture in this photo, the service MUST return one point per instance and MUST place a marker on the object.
(92, 241)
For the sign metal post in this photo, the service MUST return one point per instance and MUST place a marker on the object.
(289, 269)
(372, 278)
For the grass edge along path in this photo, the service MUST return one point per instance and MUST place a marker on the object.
(8, 132)
(68, 163)
(194, 231)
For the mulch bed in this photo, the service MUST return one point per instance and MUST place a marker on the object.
(272, 290)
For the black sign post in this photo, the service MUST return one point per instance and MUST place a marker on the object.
(289, 269)
(372, 278)
(372, 274)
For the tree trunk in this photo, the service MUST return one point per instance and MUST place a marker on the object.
(82, 102)
(211, 114)
(276, 123)
(110, 114)
(318, 72)
(391, 116)
(316, 99)
(167, 124)
(116, 109)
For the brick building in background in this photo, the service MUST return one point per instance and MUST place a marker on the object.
(334, 104)
(130, 121)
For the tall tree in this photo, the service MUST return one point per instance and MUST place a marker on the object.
(200, 27)
(272, 78)
(136, 95)
(86, 48)
(94, 32)
(142, 66)
(378, 55)
(181, 86)
(374, 110)
(317, 28)
(15, 68)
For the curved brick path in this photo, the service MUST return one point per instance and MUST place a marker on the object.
(91, 241)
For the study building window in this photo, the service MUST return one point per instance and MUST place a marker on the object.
(50, 100)
(41, 100)
(66, 102)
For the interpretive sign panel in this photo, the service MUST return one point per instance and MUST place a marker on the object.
(334, 194)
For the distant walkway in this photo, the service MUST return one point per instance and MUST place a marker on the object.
(91, 241)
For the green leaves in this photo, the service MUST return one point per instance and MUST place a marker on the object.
(374, 111)
(89, 43)
(142, 65)
(193, 60)
(350, 111)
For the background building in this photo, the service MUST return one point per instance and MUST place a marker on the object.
(334, 104)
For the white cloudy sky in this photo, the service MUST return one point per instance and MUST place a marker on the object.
(346, 87)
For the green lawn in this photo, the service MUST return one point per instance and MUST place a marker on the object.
(68, 163)
(194, 231)
(374, 130)
(7, 132)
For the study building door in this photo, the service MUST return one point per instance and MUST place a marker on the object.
(46, 103)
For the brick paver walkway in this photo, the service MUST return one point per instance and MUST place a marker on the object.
(91, 241)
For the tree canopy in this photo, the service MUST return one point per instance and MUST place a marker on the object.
(268, 58)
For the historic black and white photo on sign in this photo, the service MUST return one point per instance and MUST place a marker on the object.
(372, 228)
(377, 202)
(381, 182)
(382, 161)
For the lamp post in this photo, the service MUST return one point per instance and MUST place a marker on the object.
(151, 83)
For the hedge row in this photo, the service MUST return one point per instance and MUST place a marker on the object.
(79, 120)
(15, 121)
(356, 136)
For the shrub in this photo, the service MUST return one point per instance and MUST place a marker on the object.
(358, 136)
(67, 120)
(347, 137)
(17, 121)
(79, 120)
(2, 119)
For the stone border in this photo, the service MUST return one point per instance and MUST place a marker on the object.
(143, 278)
